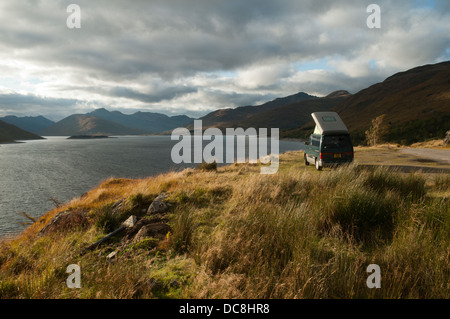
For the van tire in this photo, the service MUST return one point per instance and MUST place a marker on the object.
(306, 160)
(318, 167)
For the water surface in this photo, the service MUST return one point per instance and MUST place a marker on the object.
(34, 172)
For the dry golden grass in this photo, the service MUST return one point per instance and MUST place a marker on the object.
(237, 234)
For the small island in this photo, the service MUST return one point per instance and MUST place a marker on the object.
(84, 137)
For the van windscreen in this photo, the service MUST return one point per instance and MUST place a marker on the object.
(337, 142)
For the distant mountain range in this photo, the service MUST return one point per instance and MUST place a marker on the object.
(416, 102)
(85, 124)
(146, 122)
(284, 113)
(98, 122)
(104, 122)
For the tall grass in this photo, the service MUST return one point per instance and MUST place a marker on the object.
(238, 234)
(302, 235)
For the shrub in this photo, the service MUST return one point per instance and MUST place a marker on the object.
(364, 215)
(136, 199)
(183, 230)
(376, 133)
(106, 219)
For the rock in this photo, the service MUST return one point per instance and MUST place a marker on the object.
(132, 231)
(152, 230)
(112, 255)
(65, 220)
(130, 222)
(158, 206)
(447, 138)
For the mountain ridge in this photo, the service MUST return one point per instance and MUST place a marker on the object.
(104, 122)
(79, 124)
(32, 124)
(416, 103)
(230, 117)
(10, 133)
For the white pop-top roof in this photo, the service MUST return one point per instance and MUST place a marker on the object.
(328, 123)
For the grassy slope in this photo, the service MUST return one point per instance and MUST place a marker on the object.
(236, 233)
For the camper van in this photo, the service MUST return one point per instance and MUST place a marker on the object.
(330, 144)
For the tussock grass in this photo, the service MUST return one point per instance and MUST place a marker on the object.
(238, 234)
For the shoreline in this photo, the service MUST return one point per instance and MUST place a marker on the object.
(18, 232)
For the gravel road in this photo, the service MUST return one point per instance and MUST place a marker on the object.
(433, 154)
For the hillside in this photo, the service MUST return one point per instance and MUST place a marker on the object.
(11, 133)
(33, 124)
(295, 114)
(416, 102)
(230, 117)
(81, 124)
(234, 233)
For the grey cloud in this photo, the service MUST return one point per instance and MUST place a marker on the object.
(16, 100)
(160, 95)
(173, 40)
(53, 108)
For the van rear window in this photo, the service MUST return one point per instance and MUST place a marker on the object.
(328, 118)
(336, 142)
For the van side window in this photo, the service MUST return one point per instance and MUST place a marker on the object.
(315, 141)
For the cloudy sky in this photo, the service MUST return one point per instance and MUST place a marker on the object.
(194, 56)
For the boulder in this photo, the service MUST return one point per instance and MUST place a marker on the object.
(130, 222)
(66, 220)
(158, 206)
(158, 230)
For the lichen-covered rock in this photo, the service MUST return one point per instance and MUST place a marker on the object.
(158, 206)
(158, 230)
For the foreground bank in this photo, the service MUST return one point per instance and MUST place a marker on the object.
(230, 232)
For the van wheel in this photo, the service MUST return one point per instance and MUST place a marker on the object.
(318, 167)
(306, 160)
